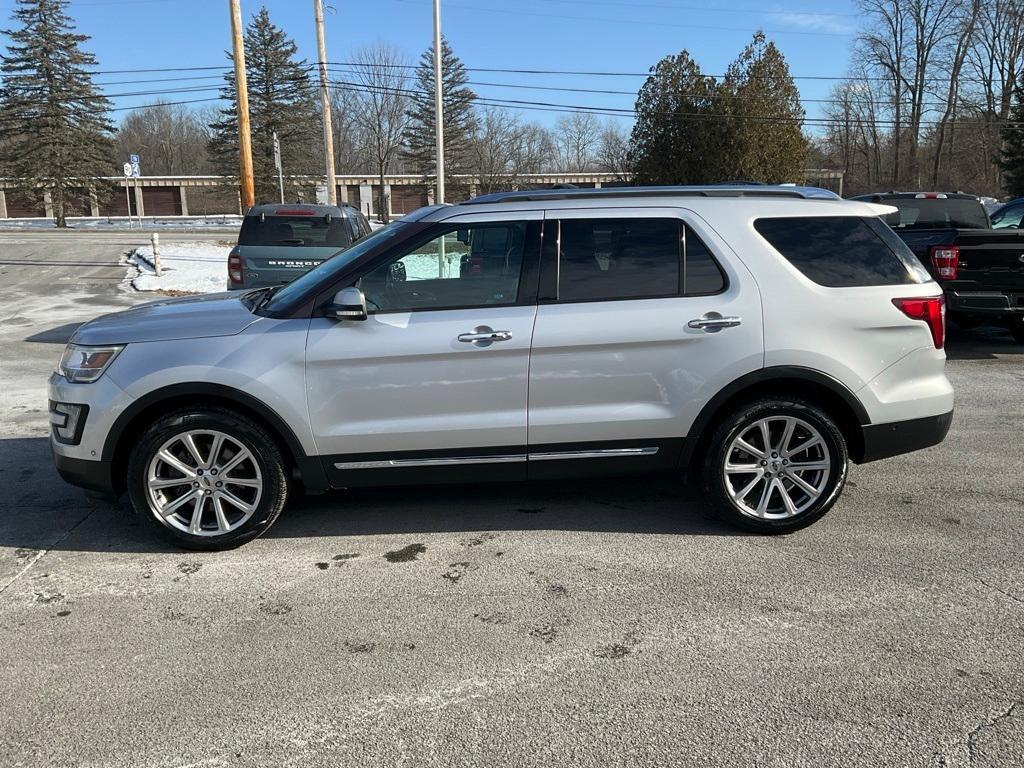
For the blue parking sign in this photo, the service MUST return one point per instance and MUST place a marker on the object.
(133, 159)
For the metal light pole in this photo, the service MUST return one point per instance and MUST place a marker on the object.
(438, 102)
(325, 104)
(247, 186)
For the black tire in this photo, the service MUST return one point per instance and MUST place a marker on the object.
(716, 484)
(265, 454)
(1016, 326)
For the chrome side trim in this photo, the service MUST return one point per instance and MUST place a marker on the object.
(607, 453)
(439, 462)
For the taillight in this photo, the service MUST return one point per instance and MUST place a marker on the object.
(235, 272)
(946, 260)
(931, 310)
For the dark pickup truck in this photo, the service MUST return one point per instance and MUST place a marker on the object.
(980, 269)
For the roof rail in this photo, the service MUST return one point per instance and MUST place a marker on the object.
(540, 195)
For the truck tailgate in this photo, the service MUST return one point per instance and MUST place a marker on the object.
(990, 260)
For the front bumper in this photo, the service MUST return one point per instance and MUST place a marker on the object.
(884, 440)
(991, 303)
(86, 473)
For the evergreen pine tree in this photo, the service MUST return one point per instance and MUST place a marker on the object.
(763, 139)
(54, 130)
(1012, 161)
(674, 138)
(459, 120)
(282, 99)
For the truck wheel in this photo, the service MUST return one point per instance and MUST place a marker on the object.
(776, 465)
(207, 478)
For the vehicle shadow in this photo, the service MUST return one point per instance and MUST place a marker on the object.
(60, 334)
(38, 510)
(983, 342)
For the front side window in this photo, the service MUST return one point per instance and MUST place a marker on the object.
(477, 265)
(842, 251)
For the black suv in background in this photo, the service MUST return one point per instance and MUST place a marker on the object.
(277, 243)
(981, 269)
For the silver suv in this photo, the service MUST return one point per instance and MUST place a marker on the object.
(757, 338)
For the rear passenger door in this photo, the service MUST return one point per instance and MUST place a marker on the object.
(643, 316)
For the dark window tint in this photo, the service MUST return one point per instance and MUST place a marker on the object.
(936, 213)
(703, 275)
(476, 266)
(618, 259)
(296, 231)
(837, 252)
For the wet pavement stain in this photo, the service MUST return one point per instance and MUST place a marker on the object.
(322, 566)
(613, 651)
(275, 608)
(345, 556)
(359, 647)
(189, 568)
(405, 554)
(492, 618)
(455, 572)
(547, 633)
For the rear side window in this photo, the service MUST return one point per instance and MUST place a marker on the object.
(840, 251)
(296, 231)
(617, 259)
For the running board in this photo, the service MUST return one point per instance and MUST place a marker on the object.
(606, 453)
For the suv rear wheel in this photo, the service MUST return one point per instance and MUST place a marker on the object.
(207, 478)
(776, 465)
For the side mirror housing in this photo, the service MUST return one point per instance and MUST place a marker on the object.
(348, 304)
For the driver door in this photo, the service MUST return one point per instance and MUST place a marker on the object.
(432, 386)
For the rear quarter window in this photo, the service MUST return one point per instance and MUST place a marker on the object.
(842, 251)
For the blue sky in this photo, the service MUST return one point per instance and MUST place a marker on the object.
(593, 35)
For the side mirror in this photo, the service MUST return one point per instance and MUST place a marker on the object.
(348, 304)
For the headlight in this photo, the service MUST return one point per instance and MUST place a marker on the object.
(82, 365)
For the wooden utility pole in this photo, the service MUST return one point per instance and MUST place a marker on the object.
(438, 103)
(325, 103)
(247, 185)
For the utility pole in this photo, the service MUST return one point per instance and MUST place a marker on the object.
(438, 103)
(248, 187)
(325, 103)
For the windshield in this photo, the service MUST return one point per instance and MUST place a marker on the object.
(327, 270)
(295, 231)
(936, 213)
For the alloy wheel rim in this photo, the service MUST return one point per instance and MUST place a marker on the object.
(204, 483)
(776, 468)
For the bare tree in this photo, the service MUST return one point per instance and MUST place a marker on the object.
(577, 136)
(954, 53)
(505, 148)
(381, 108)
(612, 153)
(350, 144)
(171, 140)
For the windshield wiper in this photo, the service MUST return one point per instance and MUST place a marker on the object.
(268, 294)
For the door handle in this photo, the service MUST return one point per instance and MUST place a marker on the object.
(484, 336)
(712, 322)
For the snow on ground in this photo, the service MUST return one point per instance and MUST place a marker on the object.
(226, 223)
(185, 268)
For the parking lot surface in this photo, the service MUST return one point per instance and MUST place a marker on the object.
(590, 624)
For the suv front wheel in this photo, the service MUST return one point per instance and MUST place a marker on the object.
(776, 465)
(207, 478)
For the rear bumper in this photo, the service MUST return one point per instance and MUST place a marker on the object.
(990, 303)
(884, 440)
(85, 473)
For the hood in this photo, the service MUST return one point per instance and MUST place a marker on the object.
(193, 317)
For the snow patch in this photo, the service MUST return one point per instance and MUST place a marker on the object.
(185, 268)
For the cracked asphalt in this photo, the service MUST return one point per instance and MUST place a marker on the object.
(591, 624)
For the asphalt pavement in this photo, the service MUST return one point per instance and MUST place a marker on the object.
(596, 624)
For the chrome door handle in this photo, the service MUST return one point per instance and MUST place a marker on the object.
(484, 336)
(712, 322)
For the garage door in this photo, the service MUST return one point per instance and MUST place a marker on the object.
(161, 201)
(20, 205)
(406, 198)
